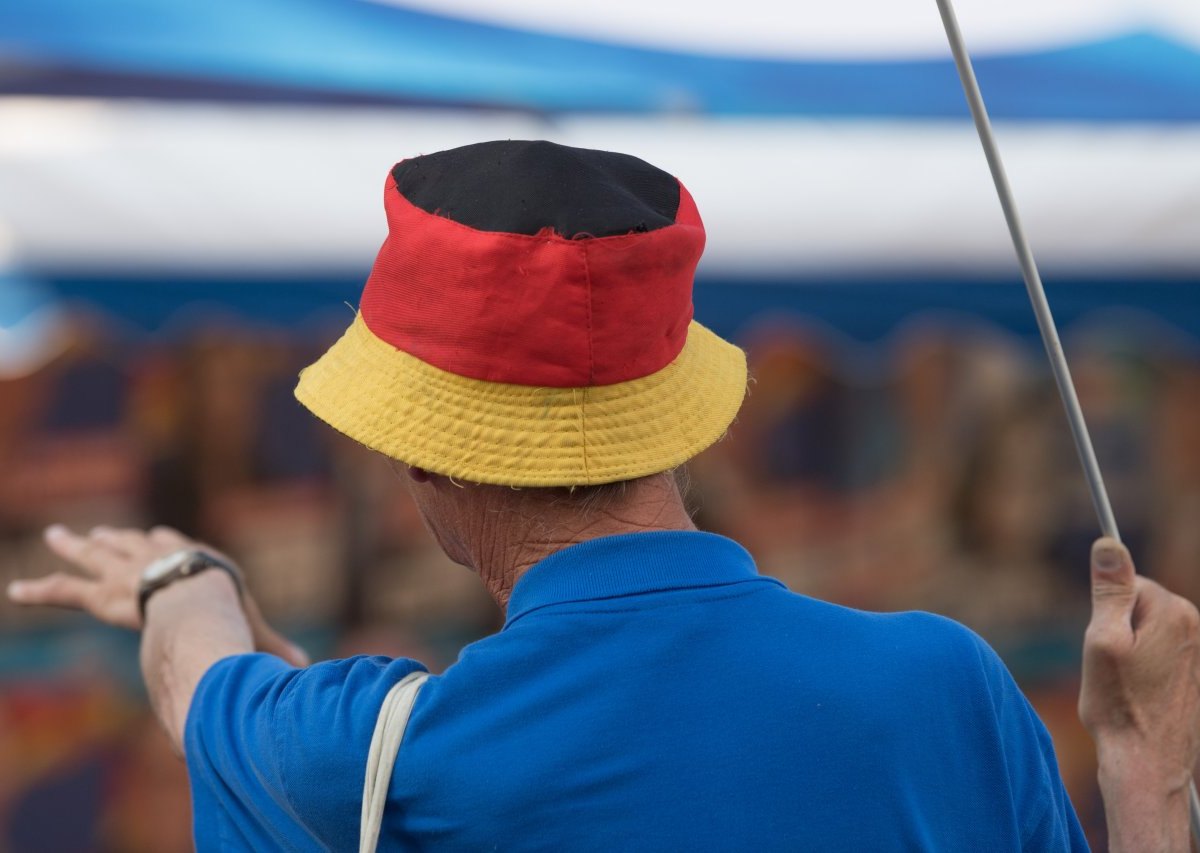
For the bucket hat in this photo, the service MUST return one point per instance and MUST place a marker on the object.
(528, 322)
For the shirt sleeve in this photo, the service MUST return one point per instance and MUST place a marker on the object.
(1046, 818)
(276, 755)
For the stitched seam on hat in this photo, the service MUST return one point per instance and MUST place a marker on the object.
(579, 405)
(587, 277)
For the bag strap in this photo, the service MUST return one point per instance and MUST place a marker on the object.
(385, 743)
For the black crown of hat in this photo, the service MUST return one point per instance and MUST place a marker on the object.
(526, 187)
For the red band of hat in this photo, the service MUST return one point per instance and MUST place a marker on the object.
(533, 309)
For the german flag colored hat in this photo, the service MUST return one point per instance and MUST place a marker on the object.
(528, 322)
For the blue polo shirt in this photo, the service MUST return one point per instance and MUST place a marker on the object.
(649, 691)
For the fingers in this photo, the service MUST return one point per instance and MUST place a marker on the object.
(168, 537)
(104, 547)
(130, 543)
(116, 559)
(1172, 616)
(1114, 582)
(56, 590)
(92, 554)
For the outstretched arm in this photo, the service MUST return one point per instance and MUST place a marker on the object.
(189, 625)
(1140, 700)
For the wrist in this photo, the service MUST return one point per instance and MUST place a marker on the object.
(1145, 798)
(1130, 764)
(189, 592)
(177, 566)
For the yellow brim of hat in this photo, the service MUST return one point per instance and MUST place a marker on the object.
(521, 435)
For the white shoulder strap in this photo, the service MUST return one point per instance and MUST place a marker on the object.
(385, 743)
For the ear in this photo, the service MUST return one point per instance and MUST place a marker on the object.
(418, 475)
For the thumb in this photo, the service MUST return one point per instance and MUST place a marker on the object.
(267, 639)
(1114, 589)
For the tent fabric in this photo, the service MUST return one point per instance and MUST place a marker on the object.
(354, 51)
(128, 186)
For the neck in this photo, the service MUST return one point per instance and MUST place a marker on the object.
(517, 529)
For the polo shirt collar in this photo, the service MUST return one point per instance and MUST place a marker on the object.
(630, 564)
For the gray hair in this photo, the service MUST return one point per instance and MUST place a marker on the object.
(588, 500)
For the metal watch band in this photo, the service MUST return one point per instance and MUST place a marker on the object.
(181, 564)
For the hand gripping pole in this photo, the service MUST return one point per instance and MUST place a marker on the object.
(1041, 308)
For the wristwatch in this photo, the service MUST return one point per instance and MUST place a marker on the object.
(181, 564)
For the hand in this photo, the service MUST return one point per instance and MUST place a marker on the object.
(112, 562)
(1140, 700)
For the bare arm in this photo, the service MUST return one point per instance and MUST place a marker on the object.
(190, 624)
(1140, 700)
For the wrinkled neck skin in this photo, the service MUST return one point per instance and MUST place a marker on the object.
(500, 532)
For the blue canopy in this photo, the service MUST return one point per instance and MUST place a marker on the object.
(354, 51)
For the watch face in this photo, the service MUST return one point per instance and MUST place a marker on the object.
(163, 566)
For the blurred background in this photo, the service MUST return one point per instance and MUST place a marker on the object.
(190, 201)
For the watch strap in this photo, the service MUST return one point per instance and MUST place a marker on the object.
(179, 565)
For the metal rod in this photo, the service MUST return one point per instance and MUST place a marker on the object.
(1041, 308)
(1033, 281)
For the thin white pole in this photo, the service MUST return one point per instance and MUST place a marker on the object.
(1041, 308)
(1033, 281)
